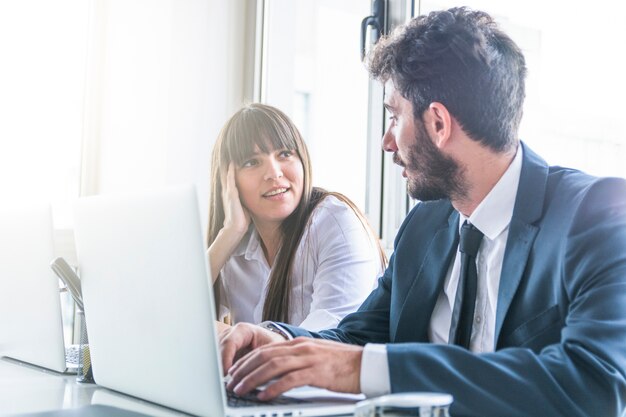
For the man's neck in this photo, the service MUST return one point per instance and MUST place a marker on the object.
(483, 170)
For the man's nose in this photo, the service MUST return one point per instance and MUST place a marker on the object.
(389, 141)
(273, 171)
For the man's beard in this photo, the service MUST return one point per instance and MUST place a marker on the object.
(431, 175)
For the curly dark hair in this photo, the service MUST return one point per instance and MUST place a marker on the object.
(460, 58)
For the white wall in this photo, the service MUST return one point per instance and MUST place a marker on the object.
(100, 96)
(42, 69)
(167, 75)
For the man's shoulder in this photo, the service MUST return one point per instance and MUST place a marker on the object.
(558, 182)
(576, 184)
(581, 202)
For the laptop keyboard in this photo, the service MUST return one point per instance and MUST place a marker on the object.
(250, 400)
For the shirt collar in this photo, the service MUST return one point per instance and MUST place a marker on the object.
(493, 214)
(249, 246)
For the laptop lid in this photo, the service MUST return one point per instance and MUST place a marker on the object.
(148, 302)
(149, 305)
(31, 327)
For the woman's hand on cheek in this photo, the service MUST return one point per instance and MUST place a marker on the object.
(236, 217)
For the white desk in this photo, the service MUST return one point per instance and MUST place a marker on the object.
(29, 389)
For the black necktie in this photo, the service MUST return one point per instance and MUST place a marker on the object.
(463, 313)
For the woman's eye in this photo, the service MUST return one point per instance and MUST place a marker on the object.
(285, 154)
(249, 163)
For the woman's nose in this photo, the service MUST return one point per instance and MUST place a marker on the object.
(273, 171)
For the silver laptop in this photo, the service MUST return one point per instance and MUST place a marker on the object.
(149, 305)
(31, 326)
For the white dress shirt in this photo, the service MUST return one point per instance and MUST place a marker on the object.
(336, 266)
(492, 217)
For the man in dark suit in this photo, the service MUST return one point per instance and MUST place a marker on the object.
(507, 286)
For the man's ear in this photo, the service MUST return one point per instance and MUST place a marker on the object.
(438, 123)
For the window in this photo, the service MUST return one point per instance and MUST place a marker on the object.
(311, 69)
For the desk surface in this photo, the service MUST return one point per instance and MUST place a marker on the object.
(29, 389)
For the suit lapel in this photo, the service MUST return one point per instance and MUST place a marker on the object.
(413, 322)
(522, 232)
(520, 240)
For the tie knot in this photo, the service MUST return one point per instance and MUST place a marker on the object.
(470, 239)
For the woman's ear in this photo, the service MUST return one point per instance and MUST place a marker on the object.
(438, 123)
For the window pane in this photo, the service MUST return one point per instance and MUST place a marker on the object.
(313, 72)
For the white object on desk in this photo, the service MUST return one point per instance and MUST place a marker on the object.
(31, 327)
(416, 404)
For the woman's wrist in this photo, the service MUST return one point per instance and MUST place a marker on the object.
(222, 248)
(232, 233)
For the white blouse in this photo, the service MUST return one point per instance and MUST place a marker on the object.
(335, 268)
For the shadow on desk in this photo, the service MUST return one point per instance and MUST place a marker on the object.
(27, 390)
(87, 411)
(110, 398)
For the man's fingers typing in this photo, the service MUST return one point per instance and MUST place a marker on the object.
(261, 365)
(292, 380)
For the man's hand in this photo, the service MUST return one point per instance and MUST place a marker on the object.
(221, 327)
(240, 339)
(302, 361)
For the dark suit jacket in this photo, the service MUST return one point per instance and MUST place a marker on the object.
(561, 314)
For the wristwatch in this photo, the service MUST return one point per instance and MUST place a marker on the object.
(276, 328)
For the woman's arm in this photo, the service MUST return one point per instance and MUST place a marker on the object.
(348, 264)
(220, 250)
(236, 223)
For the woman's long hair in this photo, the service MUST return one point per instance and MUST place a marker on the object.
(266, 127)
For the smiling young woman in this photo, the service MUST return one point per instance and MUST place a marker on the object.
(279, 248)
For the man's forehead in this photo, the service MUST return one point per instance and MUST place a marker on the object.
(393, 98)
(391, 95)
(390, 88)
